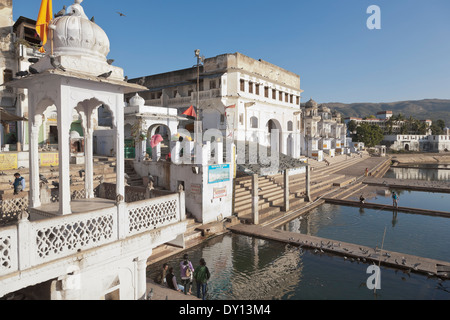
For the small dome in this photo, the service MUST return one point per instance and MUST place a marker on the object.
(311, 104)
(75, 34)
(137, 101)
(74, 135)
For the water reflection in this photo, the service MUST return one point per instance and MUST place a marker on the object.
(428, 172)
(246, 268)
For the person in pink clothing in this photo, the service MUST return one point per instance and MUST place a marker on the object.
(186, 273)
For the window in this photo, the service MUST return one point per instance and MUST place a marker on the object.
(274, 94)
(254, 122)
(292, 98)
(242, 85)
(7, 75)
(286, 97)
(289, 126)
(222, 118)
(241, 118)
(280, 97)
(257, 89)
(266, 92)
(298, 99)
(250, 87)
(212, 84)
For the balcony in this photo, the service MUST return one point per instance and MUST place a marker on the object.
(94, 223)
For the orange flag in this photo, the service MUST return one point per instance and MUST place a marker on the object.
(43, 20)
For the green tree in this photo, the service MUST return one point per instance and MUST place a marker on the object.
(351, 126)
(371, 135)
(440, 123)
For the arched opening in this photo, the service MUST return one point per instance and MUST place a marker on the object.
(406, 147)
(164, 144)
(274, 127)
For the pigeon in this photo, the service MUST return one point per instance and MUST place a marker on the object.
(93, 19)
(33, 70)
(121, 14)
(56, 64)
(61, 12)
(56, 184)
(150, 294)
(110, 61)
(105, 75)
(22, 73)
(141, 81)
(33, 60)
(43, 179)
(81, 173)
(125, 79)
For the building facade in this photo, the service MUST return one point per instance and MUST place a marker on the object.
(244, 98)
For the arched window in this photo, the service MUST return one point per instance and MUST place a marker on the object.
(254, 122)
(290, 126)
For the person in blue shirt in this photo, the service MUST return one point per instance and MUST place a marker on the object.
(394, 199)
(19, 183)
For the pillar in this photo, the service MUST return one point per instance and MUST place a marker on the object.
(64, 123)
(255, 199)
(89, 163)
(141, 278)
(120, 146)
(308, 184)
(286, 190)
(156, 152)
(33, 184)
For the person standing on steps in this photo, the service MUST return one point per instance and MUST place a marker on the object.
(186, 273)
(201, 276)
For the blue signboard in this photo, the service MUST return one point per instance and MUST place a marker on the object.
(218, 173)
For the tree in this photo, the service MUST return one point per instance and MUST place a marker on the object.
(440, 123)
(371, 135)
(436, 130)
(351, 126)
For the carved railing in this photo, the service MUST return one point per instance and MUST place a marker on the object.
(8, 250)
(26, 244)
(11, 207)
(56, 238)
(148, 215)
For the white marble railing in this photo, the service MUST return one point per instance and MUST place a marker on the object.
(8, 250)
(144, 215)
(28, 244)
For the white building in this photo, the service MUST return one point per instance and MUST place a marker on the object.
(246, 99)
(89, 245)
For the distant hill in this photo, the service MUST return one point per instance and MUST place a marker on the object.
(433, 109)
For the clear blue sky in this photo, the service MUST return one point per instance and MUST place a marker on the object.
(326, 42)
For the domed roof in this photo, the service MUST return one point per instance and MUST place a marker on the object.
(311, 104)
(137, 101)
(75, 34)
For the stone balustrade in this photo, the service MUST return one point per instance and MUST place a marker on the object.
(29, 244)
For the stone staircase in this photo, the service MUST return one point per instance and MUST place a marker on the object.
(271, 188)
(133, 179)
(104, 168)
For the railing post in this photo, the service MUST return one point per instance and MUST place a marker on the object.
(255, 199)
(25, 242)
(122, 220)
(308, 184)
(286, 190)
(182, 204)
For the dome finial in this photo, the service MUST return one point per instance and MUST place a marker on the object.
(76, 9)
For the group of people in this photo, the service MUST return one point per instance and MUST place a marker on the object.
(188, 274)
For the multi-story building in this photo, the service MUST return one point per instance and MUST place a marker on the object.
(246, 99)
